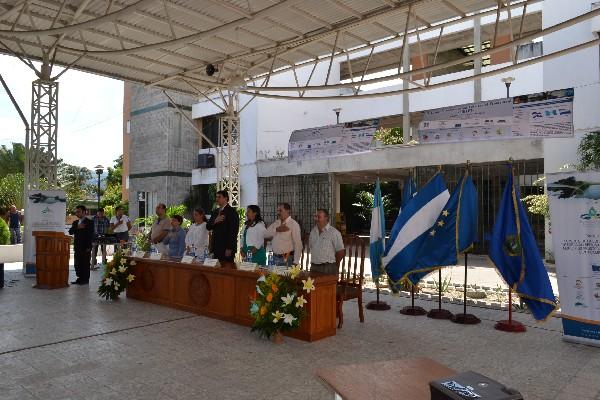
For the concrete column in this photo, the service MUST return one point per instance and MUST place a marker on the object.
(405, 95)
(477, 62)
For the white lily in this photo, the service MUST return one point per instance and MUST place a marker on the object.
(132, 262)
(294, 271)
(108, 281)
(309, 284)
(122, 268)
(278, 315)
(113, 271)
(116, 286)
(130, 278)
(289, 319)
(123, 261)
(287, 299)
(300, 302)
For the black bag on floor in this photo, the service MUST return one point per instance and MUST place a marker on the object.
(471, 386)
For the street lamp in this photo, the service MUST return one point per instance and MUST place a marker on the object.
(337, 113)
(507, 81)
(99, 171)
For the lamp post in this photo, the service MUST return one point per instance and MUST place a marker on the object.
(99, 171)
(507, 81)
(337, 114)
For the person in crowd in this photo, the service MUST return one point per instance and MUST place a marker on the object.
(120, 225)
(253, 238)
(160, 228)
(14, 220)
(175, 238)
(101, 224)
(224, 224)
(326, 245)
(286, 238)
(197, 236)
(83, 231)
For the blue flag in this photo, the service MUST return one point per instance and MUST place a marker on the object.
(453, 233)
(377, 242)
(412, 227)
(514, 252)
(408, 191)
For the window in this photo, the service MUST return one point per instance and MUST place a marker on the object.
(128, 126)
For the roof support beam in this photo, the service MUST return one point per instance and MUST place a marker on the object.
(449, 5)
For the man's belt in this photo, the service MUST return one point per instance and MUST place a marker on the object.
(291, 253)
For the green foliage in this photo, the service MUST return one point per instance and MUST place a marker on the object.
(389, 136)
(112, 195)
(589, 151)
(11, 190)
(4, 232)
(116, 278)
(364, 205)
(537, 204)
(445, 284)
(74, 181)
(178, 209)
(12, 161)
(142, 241)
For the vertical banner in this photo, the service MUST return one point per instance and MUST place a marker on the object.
(575, 217)
(45, 211)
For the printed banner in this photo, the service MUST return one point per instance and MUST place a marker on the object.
(540, 115)
(45, 211)
(575, 217)
(332, 140)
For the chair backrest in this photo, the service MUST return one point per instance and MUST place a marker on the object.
(305, 256)
(352, 269)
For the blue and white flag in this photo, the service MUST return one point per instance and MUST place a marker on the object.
(408, 192)
(411, 227)
(514, 252)
(453, 233)
(377, 242)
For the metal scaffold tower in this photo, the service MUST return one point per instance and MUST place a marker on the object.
(229, 159)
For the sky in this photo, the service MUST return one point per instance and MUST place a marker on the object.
(90, 113)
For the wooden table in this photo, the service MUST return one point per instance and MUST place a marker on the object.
(405, 379)
(224, 293)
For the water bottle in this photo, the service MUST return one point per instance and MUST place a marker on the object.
(152, 249)
(192, 251)
(249, 257)
(270, 260)
(205, 253)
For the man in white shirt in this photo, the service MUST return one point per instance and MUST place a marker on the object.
(326, 245)
(286, 238)
(120, 225)
(160, 228)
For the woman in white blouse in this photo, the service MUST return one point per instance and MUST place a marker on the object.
(253, 238)
(197, 235)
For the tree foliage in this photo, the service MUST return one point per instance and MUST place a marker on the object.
(74, 181)
(389, 136)
(11, 190)
(4, 232)
(12, 161)
(589, 151)
(112, 195)
(364, 205)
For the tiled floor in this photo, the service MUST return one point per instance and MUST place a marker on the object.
(70, 344)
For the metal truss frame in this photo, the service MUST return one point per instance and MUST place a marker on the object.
(228, 173)
(42, 154)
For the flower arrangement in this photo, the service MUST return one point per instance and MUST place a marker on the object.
(117, 277)
(142, 241)
(279, 302)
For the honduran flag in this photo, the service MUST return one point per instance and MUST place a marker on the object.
(377, 242)
(412, 227)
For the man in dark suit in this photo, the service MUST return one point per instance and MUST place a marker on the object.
(83, 232)
(224, 224)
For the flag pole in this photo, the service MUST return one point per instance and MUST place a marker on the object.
(510, 325)
(464, 318)
(412, 309)
(378, 305)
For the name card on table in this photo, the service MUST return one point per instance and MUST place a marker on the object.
(210, 262)
(187, 259)
(139, 254)
(155, 256)
(247, 266)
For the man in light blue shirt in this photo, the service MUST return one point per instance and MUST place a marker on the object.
(176, 237)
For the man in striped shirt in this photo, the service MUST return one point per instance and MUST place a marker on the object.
(326, 245)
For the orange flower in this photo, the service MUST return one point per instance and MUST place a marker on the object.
(263, 310)
(274, 288)
(270, 297)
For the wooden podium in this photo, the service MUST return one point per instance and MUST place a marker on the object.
(52, 252)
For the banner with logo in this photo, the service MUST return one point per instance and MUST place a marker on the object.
(332, 140)
(575, 217)
(45, 211)
(539, 115)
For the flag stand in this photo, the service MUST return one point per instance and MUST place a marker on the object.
(464, 318)
(412, 309)
(378, 305)
(439, 313)
(510, 325)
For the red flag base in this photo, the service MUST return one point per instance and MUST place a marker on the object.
(439, 313)
(378, 306)
(413, 310)
(510, 326)
(466, 319)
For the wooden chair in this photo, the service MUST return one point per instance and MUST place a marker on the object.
(351, 277)
(305, 256)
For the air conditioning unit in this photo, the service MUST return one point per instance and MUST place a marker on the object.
(595, 22)
(206, 160)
